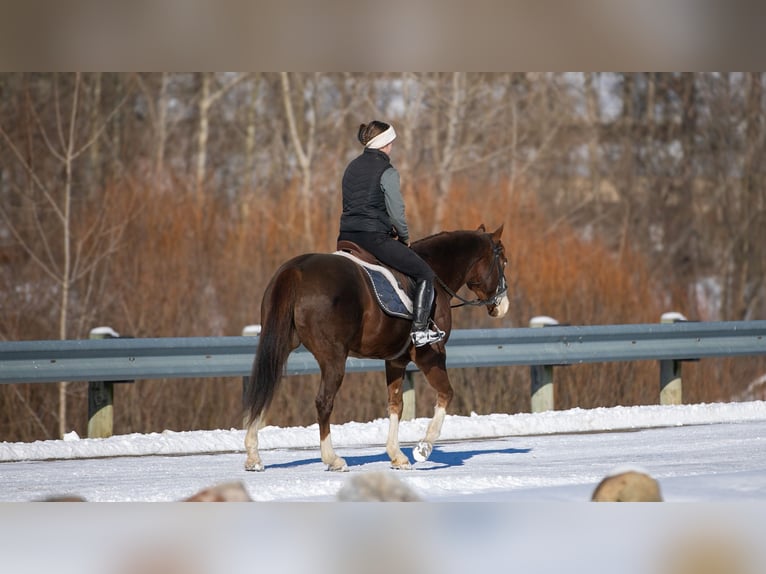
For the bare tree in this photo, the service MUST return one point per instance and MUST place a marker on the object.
(207, 97)
(251, 127)
(745, 281)
(593, 117)
(445, 144)
(304, 144)
(162, 124)
(75, 260)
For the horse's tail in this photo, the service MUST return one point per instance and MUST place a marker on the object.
(276, 342)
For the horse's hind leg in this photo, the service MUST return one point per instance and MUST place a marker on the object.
(394, 376)
(253, 461)
(433, 366)
(332, 376)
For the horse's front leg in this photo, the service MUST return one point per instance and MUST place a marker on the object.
(433, 365)
(332, 377)
(394, 376)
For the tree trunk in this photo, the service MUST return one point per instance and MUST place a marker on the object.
(95, 148)
(250, 134)
(202, 133)
(66, 272)
(412, 96)
(162, 127)
(594, 125)
(748, 278)
(448, 148)
(626, 173)
(304, 156)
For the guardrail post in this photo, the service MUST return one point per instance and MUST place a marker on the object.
(101, 396)
(671, 388)
(408, 396)
(248, 331)
(542, 398)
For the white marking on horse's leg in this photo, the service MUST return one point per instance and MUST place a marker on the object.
(502, 307)
(399, 460)
(332, 460)
(253, 461)
(435, 426)
(424, 448)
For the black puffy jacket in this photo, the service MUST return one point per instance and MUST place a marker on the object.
(364, 204)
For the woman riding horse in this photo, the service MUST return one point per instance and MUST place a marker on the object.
(373, 217)
(325, 301)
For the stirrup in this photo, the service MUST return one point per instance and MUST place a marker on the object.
(427, 336)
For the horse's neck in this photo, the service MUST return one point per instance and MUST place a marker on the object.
(451, 255)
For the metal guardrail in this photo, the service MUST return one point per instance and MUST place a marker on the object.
(202, 357)
(104, 361)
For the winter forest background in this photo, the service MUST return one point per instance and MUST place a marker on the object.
(161, 203)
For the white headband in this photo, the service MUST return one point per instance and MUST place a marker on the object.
(382, 139)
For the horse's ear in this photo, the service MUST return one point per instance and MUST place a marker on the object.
(498, 232)
(481, 228)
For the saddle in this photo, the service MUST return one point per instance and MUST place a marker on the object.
(392, 289)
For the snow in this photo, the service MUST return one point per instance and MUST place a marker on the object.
(487, 447)
(542, 321)
(104, 333)
(672, 316)
(502, 493)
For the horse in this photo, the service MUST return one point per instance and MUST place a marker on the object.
(324, 301)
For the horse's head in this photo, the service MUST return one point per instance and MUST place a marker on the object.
(487, 276)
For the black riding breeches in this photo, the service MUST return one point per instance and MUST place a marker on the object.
(391, 252)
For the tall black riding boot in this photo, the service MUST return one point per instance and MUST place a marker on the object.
(424, 298)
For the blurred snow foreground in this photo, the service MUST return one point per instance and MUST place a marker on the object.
(442, 538)
(622, 485)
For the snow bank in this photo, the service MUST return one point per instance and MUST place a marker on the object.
(374, 432)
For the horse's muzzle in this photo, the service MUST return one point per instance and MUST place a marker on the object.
(499, 304)
(500, 308)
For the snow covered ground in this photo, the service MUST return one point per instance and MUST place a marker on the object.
(707, 452)
(504, 493)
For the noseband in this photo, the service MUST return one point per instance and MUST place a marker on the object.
(500, 291)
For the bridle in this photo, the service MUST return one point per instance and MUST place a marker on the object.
(500, 291)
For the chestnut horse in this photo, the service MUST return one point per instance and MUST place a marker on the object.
(325, 302)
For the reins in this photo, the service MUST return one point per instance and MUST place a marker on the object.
(464, 301)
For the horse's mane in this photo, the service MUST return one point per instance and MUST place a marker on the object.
(438, 235)
(429, 246)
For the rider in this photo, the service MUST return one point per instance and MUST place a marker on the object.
(373, 218)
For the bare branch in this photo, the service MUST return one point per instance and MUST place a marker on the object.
(44, 133)
(73, 117)
(303, 158)
(31, 172)
(57, 107)
(212, 98)
(30, 411)
(25, 246)
(101, 129)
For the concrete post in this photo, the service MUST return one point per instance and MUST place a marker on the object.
(101, 396)
(671, 388)
(542, 375)
(408, 396)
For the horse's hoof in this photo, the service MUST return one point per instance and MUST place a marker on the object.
(422, 451)
(339, 465)
(253, 465)
(401, 465)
